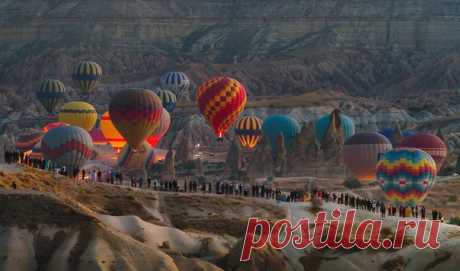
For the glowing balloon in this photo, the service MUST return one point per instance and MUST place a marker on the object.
(111, 133)
(248, 129)
(161, 129)
(361, 152)
(221, 100)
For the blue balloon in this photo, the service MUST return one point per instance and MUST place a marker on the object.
(280, 124)
(390, 134)
(322, 125)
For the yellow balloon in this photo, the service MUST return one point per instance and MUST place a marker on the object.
(78, 114)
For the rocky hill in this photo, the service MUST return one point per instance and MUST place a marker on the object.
(362, 47)
(51, 223)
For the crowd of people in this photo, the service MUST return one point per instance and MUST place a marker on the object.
(377, 207)
(228, 188)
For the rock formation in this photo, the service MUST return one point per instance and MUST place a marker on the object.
(234, 159)
(332, 144)
(261, 161)
(168, 171)
(304, 150)
(184, 152)
(280, 157)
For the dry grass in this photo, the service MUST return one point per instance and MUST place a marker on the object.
(216, 214)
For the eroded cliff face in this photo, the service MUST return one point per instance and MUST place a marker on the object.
(363, 47)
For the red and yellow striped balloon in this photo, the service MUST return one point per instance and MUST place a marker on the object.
(221, 100)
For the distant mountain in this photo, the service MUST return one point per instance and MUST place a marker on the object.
(385, 48)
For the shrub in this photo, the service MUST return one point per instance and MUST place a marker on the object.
(455, 221)
(352, 183)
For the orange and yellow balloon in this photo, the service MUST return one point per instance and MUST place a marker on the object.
(221, 100)
(111, 133)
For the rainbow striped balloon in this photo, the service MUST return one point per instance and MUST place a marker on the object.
(406, 175)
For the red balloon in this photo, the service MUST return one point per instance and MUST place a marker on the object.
(429, 143)
(221, 100)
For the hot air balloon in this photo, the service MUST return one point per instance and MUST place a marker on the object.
(277, 124)
(342, 122)
(138, 158)
(53, 125)
(248, 129)
(221, 100)
(177, 82)
(25, 141)
(68, 146)
(161, 129)
(429, 143)
(361, 152)
(392, 135)
(111, 133)
(87, 74)
(168, 99)
(79, 114)
(51, 92)
(136, 113)
(97, 136)
(406, 175)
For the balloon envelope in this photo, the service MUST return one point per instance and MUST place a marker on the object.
(87, 74)
(168, 99)
(323, 123)
(53, 125)
(79, 114)
(249, 131)
(406, 175)
(25, 141)
(161, 129)
(68, 146)
(111, 133)
(429, 143)
(361, 153)
(136, 113)
(277, 124)
(178, 82)
(390, 133)
(97, 136)
(51, 92)
(221, 100)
